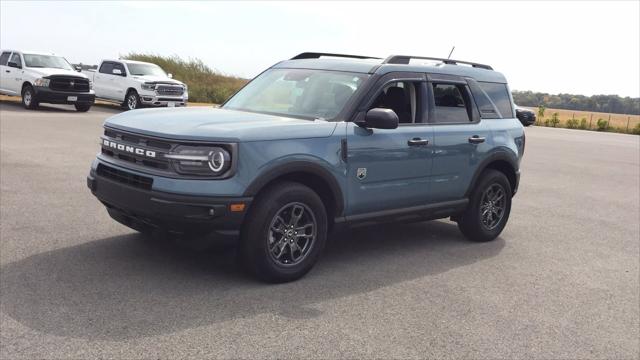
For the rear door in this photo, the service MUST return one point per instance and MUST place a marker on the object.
(101, 79)
(14, 81)
(5, 72)
(389, 169)
(461, 139)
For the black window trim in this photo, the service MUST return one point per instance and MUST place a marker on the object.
(8, 57)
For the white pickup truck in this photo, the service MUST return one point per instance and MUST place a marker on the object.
(135, 84)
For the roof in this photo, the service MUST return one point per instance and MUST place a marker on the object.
(128, 61)
(379, 66)
(30, 52)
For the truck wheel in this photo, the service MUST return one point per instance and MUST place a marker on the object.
(82, 107)
(284, 233)
(132, 101)
(29, 100)
(488, 209)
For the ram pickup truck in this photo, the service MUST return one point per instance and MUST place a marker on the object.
(135, 84)
(314, 143)
(43, 78)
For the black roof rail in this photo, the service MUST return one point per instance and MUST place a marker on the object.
(404, 59)
(314, 55)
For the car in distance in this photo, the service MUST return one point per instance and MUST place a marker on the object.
(135, 84)
(43, 78)
(527, 117)
(314, 143)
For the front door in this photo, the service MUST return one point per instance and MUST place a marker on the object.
(389, 169)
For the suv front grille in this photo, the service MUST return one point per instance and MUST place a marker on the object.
(170, 90)
(124, 177)
(68, 83)
(129, 141)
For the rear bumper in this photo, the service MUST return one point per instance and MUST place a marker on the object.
(47, 95)
(144, 210)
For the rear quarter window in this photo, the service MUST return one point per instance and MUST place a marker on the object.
(499, 94)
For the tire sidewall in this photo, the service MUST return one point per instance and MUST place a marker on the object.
(33, 104)
(255, 232)
(137, 98)
(471, 224)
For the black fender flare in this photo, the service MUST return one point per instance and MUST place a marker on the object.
(500, 155)
(299, 166)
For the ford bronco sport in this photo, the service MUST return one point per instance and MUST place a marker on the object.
(315, 142)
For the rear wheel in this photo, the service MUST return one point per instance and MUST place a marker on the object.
(488, 209)
(82, 107)
(29, 100)
(284, 234)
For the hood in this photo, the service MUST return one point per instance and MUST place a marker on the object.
(153, 78)
(53, 71)
(212, 124)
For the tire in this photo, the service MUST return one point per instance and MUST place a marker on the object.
(82, 107)
(282, 254)
(29, 100)
(131, 101)
(483, 220)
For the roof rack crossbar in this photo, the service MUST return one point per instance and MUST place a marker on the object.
(404, 59)
(314, 55)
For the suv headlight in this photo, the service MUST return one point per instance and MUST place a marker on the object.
(200, 160)
(148, 86)
(42, 82)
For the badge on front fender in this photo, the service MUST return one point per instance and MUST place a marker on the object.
(361, 173)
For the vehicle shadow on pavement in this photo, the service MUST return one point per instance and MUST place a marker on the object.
(129, 287)
(17, 105)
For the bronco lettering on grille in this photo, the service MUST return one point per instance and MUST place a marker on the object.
(129, 148)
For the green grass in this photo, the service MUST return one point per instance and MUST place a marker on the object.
(205, 85)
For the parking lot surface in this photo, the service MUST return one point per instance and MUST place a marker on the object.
(562, 281)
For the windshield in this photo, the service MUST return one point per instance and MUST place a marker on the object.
(146, 69)
(309, 94)
(46, 61)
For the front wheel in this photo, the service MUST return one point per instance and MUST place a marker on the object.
(132, 100)
(29, 100)
(82, 107)
(488, 209)
(284, 233)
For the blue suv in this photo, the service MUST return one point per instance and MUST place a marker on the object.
(313, 143)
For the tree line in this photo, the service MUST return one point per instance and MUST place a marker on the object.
(596, 103)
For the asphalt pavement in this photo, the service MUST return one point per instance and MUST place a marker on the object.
(562, 281)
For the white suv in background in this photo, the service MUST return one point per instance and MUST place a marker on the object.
(135, 84)
(43, 78)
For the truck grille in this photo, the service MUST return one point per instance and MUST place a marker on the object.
(124, 177)
(127, 149)
(68, 83)
(170, 90)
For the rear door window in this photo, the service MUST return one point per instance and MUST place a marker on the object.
(4, 58)
(452, 103)
(499, 94)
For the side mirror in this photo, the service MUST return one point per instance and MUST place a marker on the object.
(116, 72)
(380, 118)
(14, 65)
(170, 75)
(78, 68)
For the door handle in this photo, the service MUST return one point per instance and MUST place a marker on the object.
(7, 71)
(417, 142)
(475, 139)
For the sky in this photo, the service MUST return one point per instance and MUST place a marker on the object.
(573, 47)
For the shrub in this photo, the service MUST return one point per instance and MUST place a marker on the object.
(547, 122)
(555, 120)
(602, 124)
(572, 123)
(636, 129)
(583, 123)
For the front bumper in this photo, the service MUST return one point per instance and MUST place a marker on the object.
(46, 95)
(154, 99)
(145, 210)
